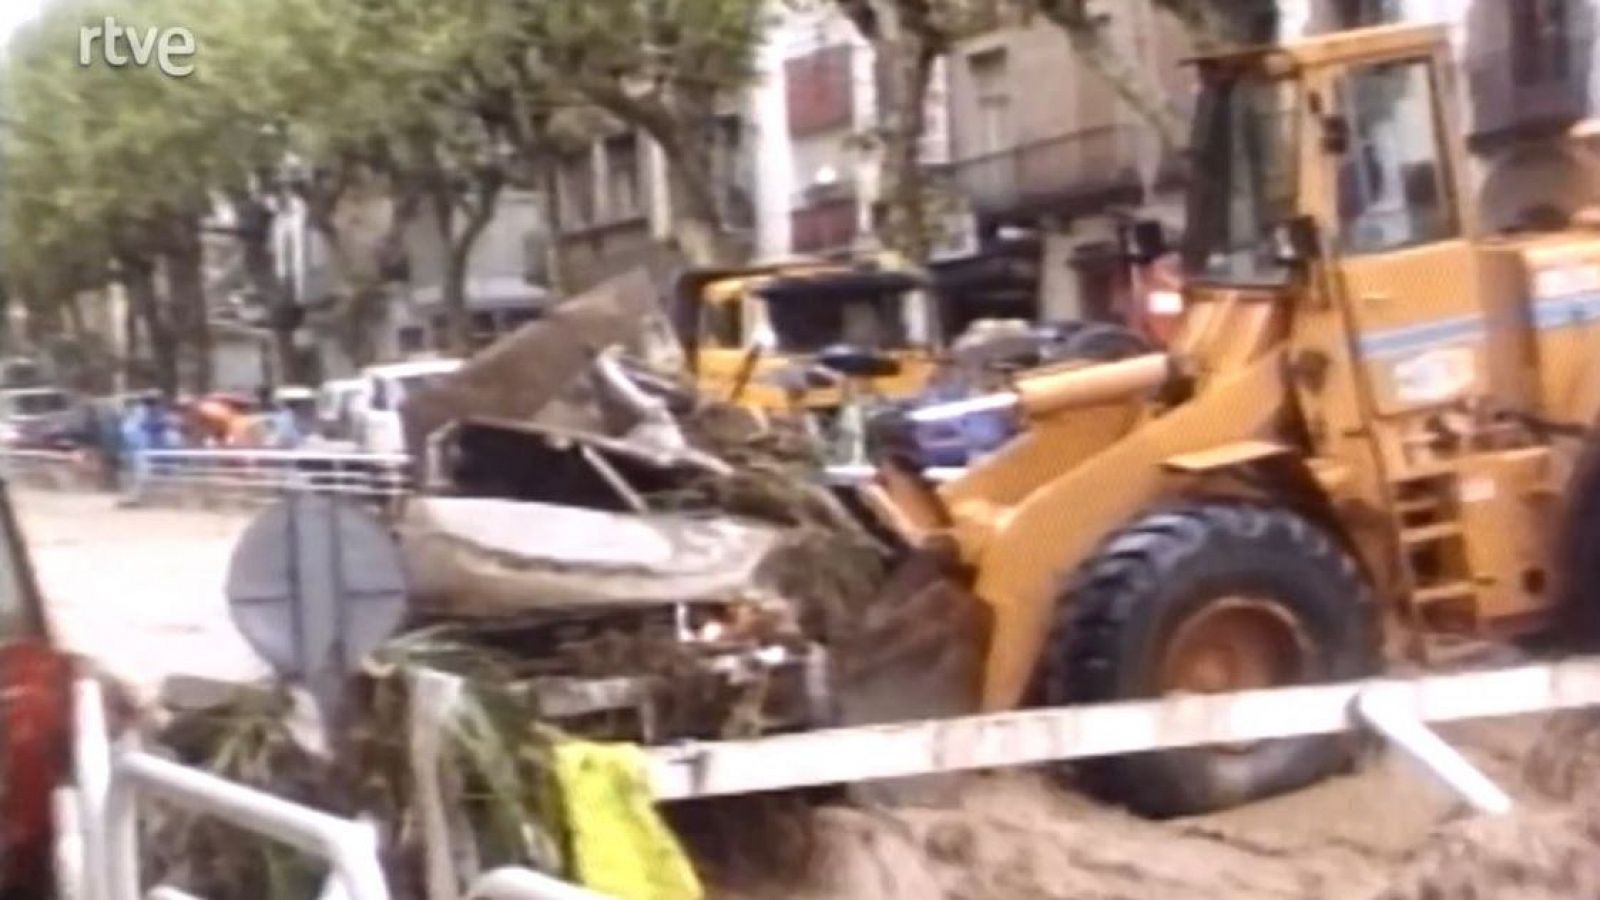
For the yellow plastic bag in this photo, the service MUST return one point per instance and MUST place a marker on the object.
(620, 844)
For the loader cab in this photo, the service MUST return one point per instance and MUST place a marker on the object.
(1329, 174)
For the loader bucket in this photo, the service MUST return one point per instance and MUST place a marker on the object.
(917, 650)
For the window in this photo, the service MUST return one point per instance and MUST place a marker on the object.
(992, 97)
(413, 339)
(623, 194)
(1540, 52)
(722, 324)
(1392, 190)
(818, 91)
(576, 191)
(1245, 182)
(807, 326)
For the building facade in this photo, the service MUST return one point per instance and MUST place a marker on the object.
(813, 111)
(613, 207)
(1051, 160)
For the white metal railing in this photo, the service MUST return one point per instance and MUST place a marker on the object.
(1397, 709)
(350, 847)
(264, 474)
(57, 469)
(98, 846)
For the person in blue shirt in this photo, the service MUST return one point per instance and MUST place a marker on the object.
(136, 442)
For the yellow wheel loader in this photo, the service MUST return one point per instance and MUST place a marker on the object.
(755, 335)
(1368, 440)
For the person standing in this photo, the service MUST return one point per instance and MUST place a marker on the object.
(136, 436)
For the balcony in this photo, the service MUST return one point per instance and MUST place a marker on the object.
(1070, 174)
(1540, 89)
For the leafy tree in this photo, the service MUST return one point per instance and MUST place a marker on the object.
(114, 163)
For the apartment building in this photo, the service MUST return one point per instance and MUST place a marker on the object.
(1051, 159)
(813, 111)
(612, 208)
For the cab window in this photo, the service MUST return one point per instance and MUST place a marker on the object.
(1392, 177)
(721, 324)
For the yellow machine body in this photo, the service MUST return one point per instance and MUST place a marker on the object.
(1416, 387)
(730, 362)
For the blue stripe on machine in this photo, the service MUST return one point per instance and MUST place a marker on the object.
(1554, 312)
(1400, 341)
(1573, 309)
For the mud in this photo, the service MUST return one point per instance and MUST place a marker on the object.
(1384, 832)
(140, 592)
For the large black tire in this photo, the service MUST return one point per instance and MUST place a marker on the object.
(1288, 597)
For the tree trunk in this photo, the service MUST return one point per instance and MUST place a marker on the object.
(363, 283)
(692, 192)
(683, 125)
(453, 297)
(139, 280)
(903, 65)
(253, 222)
(358, 314)
(555, 263)
(7, 295)
(473, 213)
(183, 259)
(457, 337)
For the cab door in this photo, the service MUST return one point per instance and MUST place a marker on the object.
(1409, 272)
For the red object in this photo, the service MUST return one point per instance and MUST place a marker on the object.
(818, 91)
(35, 746)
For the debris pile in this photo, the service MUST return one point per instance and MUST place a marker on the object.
(596, 552)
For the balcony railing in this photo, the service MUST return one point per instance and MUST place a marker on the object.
(1549, 84)
(1073, 171)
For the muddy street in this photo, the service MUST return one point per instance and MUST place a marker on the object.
(140, 592)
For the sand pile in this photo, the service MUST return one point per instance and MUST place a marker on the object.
(1384, 833)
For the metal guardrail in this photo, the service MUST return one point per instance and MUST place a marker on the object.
(350, 847)
(98, 847)
(262, 475)
(1397, 709)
